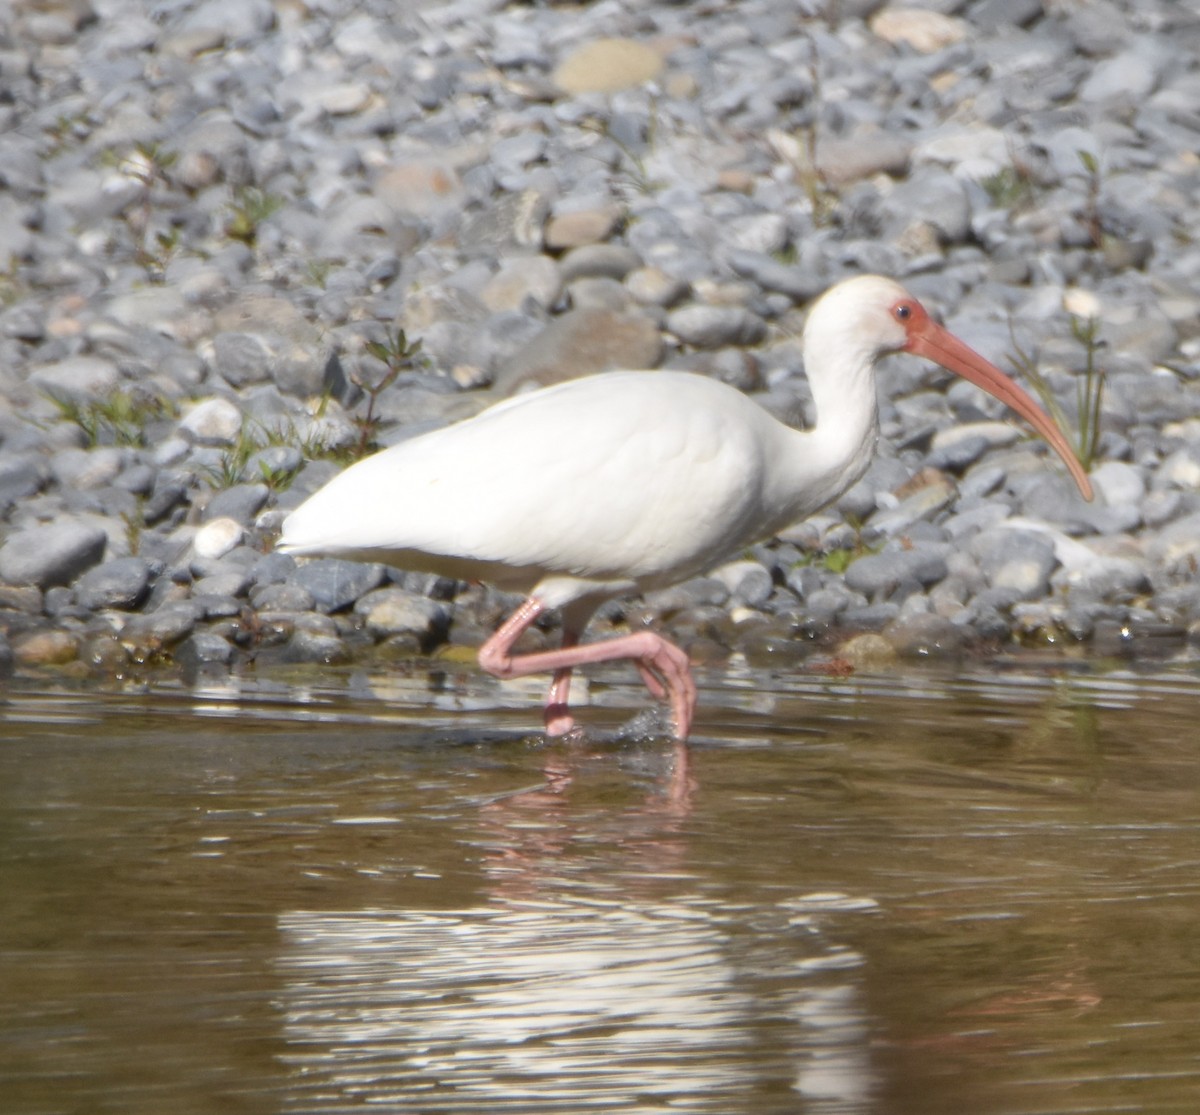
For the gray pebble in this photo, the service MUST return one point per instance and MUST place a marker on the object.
(652, 286)
(715, 326)
(922, 504)
(280, 597)
(869, 617)
(747, 582)
(240, 503)
(203, 648)
(21, 476)
(212, 422)
(231, 582)
(336, 584)
(876, 575)
(162, 628)
(387, 612)
(580, 342)
(799, 283)
(83, 469)
(312, 646)
(81, 377)
(598, 261)
(521, 278)
(1015, 561)
(51, 555)
(924, 635)
(120, 583)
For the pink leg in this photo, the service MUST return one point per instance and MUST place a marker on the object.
(557, 717)
(664, 667)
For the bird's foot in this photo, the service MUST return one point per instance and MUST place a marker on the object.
(558, 721)
(668, 675)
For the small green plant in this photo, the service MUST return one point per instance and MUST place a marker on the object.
(801, 151)
(231, 468)
(277, 479)
(821, 196)
(253, 437)
(11, 287)
(397, 353)
(633, 164)
(837, 561)
(147, 165)
(119, 418)
(1091, 207)
(135, 524)
(1089, 387)
(249, 208)
(318, 271)
(68, 130)
(1009, 188)
(166, 243)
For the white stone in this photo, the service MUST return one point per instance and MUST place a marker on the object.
(216, 539)
(212, 422)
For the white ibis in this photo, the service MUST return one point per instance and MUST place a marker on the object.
(631, 481)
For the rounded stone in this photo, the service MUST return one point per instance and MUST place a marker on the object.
(607, 66)
(581, 342)
(387, 612)
(336, 584)
(203, 648)
(212, 422)
(120, 583)
(925, 635)
(312, 646)
(868, 651)
(51, 555)
(217, 537)
(240, 503)
(45, 648)
(155, 631)
(520, 278)
(714, 326)
(586, 226)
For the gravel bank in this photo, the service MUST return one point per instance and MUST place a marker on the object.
(224, 224)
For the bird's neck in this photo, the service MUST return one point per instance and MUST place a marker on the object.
(836, 452)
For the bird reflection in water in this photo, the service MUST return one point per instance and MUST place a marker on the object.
(593, 970)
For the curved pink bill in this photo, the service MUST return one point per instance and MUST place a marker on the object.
(927, 338)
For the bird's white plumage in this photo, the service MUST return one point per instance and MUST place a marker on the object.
(631, 477)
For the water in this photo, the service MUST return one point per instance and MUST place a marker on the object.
(914, 893)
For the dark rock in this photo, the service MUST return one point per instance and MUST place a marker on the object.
(336, 584)
(120, 583)
(240, 503)
(51, 555)
(312, 646)
(876, 575)
(202, 648)
(155, 631)
(388, 612)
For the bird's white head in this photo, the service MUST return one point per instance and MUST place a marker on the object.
(861, 319)
(860, 314)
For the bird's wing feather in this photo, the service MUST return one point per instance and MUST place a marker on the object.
(620, 475)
